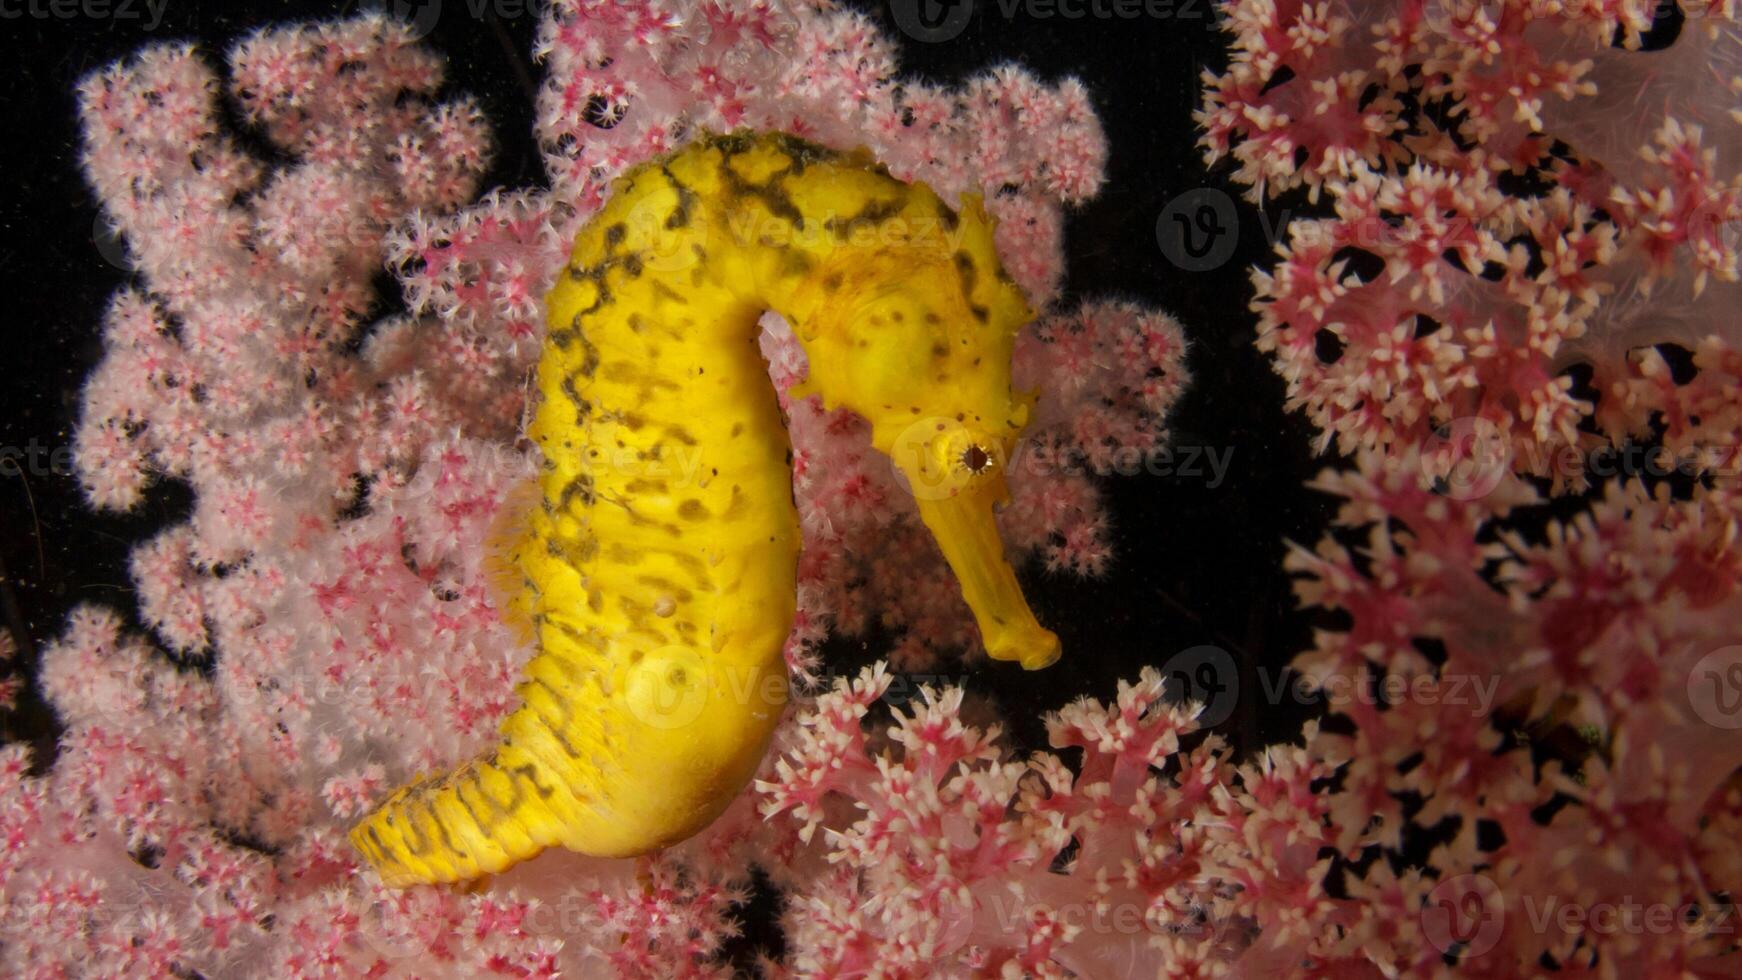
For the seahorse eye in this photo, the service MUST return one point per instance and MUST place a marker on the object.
(976, 459)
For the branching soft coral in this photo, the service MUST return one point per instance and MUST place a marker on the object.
(949, 858)
(1599, 625)
(1512, 197)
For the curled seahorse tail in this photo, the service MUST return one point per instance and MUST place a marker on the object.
(452, 827)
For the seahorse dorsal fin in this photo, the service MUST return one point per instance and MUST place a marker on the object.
(511, 530)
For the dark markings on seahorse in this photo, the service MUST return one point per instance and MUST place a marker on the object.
(735, 509)
(601, 299)
(554, 725)
(621, 372)
(495, 812)
(494, 761)
(667, 586)
(686, 201)
(588, 638)
(966, 269)
(406, 834)
(803, 154)
(877, 212)
(734, 143)
(770, 192)
(795, 263)
(530, 773)
(583, 408)
(442, 830)
(375, 839)
(572, 672)
(581, 486)
(668, 294)
(948, 217)
(589, 351)
(556, 732)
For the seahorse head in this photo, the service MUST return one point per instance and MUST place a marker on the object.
(914, 331)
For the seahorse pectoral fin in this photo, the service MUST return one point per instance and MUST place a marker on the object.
(503, 577)
(965, 531)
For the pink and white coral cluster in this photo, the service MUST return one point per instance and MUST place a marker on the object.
(1612, 859)
(949, 858)
(324, 627)
(1419, 833)
(1512, 195)
(1498, 218)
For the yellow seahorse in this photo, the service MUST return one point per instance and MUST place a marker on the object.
(658, 574)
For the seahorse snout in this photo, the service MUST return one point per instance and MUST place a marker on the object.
(956, 474)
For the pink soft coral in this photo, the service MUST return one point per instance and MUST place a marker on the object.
(1441, 293)
(346, 469)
